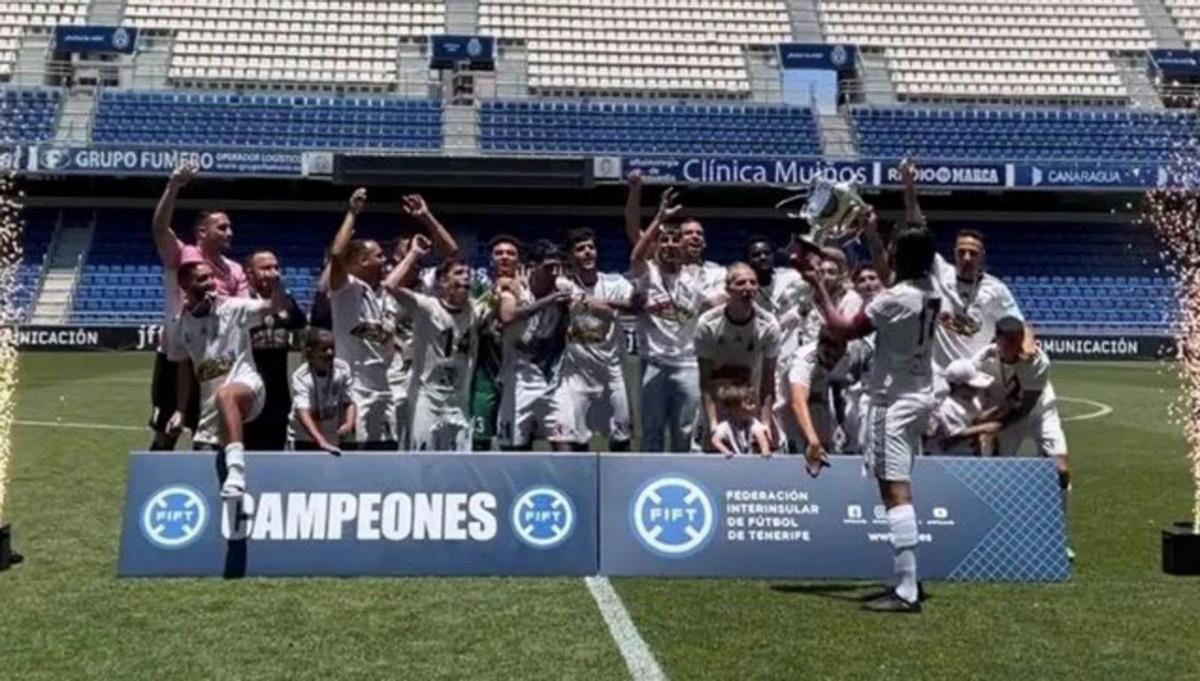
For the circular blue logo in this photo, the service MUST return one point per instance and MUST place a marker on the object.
(120, 39)
(543, 517)
(673, 516)
(174, 517)
(838, 55)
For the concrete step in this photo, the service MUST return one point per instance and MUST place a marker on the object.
(462, 17)
(106, 12)
(30, 68)
(806, 21)
(1162, 25)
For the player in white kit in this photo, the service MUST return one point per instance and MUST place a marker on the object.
(362, 337)
(443, 347)
(210, 340)
(534, 319)
(736, 344)
(1028, 405)
(903, 318)
(591, 397)
(322, 407)
(972, 299)
(811, 418)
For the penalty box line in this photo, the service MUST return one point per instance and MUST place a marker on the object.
(639, 659)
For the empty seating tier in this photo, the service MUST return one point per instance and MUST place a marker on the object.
(618, 127)
(19, 18)
(668, 46)
(1025, 49)
(1022, 134)
(279, 121)
(1186, 14)
(311, 42)
(27, 115)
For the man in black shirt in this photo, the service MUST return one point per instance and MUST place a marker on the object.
(271, 342)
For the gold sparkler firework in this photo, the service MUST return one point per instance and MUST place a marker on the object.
(1172, 213)
(10, 263)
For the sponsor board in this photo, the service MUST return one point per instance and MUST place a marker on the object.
(123, 160)
(842, 58)
(360, 514)
(743, 171)
(702, 516)
(551, 514)
(73, 338)
(1084, 347)
(95, 39)
(473, 51)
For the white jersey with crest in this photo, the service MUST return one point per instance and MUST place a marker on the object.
(327, 395)
(442, 350)
(741, 439)
(972, 308)
(737, 350)
(667, 326)
(218, 345)
(532, 354)
(789, 298)
(904, 317)
(362, 337)
(594, 341)
(1011, 381)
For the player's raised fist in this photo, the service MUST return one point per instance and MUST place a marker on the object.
(414, 206)
(908, 172)
(635, 178)
(421, 245)
(357, 200)
(184, 173)
(668, 205)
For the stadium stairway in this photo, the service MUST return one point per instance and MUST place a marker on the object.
(71, 243)
(1162, 26)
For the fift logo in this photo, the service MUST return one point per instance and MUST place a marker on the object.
(149, 335)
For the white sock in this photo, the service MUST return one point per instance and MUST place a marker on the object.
(235, 456)
(902, 521)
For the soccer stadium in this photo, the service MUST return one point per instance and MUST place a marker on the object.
(646, 339)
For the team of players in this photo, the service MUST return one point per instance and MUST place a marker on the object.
(903, 352)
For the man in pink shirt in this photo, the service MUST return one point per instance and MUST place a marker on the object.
(213, 232)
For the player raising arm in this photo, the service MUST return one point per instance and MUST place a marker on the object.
(361, 336)
(442, 351)
(211, 338)
(900, 385)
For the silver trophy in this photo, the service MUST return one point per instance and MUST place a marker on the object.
(829, 208)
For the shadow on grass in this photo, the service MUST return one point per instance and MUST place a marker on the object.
(838, 591)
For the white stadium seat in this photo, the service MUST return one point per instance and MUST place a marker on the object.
(1038, 49)
(306, 42)
(673, 46)
(19, 18)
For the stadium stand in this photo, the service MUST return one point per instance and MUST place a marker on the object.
(19, 18)
(1022, 134)
(613, 127)
(1186, 14)
(28, 115)
(313, 42)
(35, 244)
(1024, 49)
(672, 46)
(268, 120)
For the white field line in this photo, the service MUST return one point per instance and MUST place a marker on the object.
(70, 424)
(638, 657)
(1101, 409)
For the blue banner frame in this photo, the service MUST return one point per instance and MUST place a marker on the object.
(582, 514)
(95, 39)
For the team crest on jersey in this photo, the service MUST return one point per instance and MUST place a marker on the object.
(215, 367)
(372, 332)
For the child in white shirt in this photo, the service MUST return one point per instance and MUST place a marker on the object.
(741, 432)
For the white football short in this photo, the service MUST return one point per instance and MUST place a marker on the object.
(208, 429)
(376, 415)
(893, 435)
(581, 408)
(525, 406)
(438, 427)
(1042, 426)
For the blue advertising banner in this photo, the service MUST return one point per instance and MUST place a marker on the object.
(1175, 63)
(701, 516)
(11, 158)
(713, 170)
(119, 160)
(476, 51)
(1053, 175)
(842, 58)
(555, 514)
(107, 39)
(362, 514)
(950, 174)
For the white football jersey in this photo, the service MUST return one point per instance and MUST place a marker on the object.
(1011, 381)
(218, 344)
(740, 439)
(595, 342)
(667, 325)
(904, 316)
(849, 305)
(789, 298)
(975, 308)
(442, 350)
(533, 347)
(362, 337)
(806, 370)
(954, 415)
(737, 350)
(328, 395)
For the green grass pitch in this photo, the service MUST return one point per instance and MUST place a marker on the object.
(64, 614)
